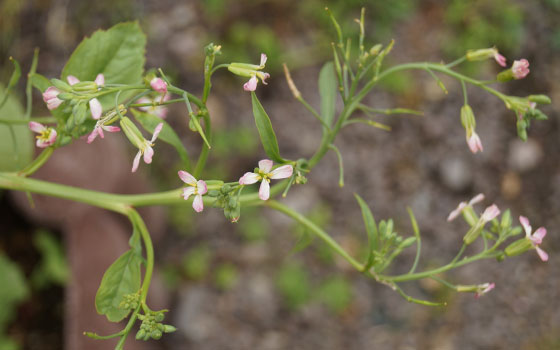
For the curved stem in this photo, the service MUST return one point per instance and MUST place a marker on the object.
(137, 222)
(37, 162)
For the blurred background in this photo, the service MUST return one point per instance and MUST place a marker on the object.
(265, 283)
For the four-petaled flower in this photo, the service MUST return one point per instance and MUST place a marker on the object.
(251, 85)
(264, 174)
(197, 188)
(98, 130)
(535, 237)
(94, 104)
(159, 85)
(520, 69)
(478, 198)
(146, 149)
(155, 109)
(46, 137)
(483, 289)
(50, 96)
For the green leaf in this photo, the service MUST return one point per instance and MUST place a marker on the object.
(40, 82)
(14, 291)
(371, 229)
(118, 53)
(16, 146)
(122, 277)
(167, 134)
(268, 137)
(53, 267)
(16, 74)
(327, 90)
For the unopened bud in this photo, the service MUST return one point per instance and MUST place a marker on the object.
(85, 86)
(481, 54)
(467, 117)
(132, 133)
(540, 99)
(59, 84)
(168, 328)
(518, 247)
(375, 49)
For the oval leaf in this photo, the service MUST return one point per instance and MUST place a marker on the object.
(371, 229)
(167, 134)
(268, 137)
(122, 277)
(327, 91)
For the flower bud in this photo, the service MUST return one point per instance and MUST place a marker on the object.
(473, 233)
(140, 334)
(540, 99)
(467, 117)
(481, 54)
(85, 86)
(132, 133)
(66, 96)
(375, 49)
(518, 247)
(168, 328)
(156, 334)
(159, 317)
(59, 84)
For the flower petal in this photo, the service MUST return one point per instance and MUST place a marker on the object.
(542, 254)
(526, 225)
(264, 190)
(72, 80)
(457, 211)
(157, 130)
(265, 165)
(282, 172)
(100, 79)
(111, 128)
(52, 138)
(136, 161)
(101, 134)
(251, 85)
(538, 235)
(148, 154)
(474, 143)
(249, 178)
(187, 178)
(500, 59)
(93, 135)
(476, 199)
(36, 127)
(198, 204)
(188, 191)
(201, 187)
(96, 108)
(490, 213)
(263, 60)
(159, 85)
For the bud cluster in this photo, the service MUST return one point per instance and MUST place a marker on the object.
(152, 327)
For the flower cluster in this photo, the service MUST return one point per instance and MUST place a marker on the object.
(51, 95)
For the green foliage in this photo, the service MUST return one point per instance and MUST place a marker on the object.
(53, 267)
(118, 53)
(16, 147)
(15, 291)
(371, 229)
(121, 278)
(226, 276)
(328, 92)
(167, 134)
(264, 126)
(196, 262)
(293, 284)
(336, 293)
(237, 141)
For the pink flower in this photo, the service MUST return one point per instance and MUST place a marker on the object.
(198, 188)
(535, 238)
(251, 85)
(520, 69)
(159, 85)
(478, 198)
(98, 130)
(100, 79)
(490, 213)
(46, 137)
(72, 80)
(50, 96)
(474, 142)
(500, 59)
(264, 174)
(483, 289)
(146, 149)
(155, 109)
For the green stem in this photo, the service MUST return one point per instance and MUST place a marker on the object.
(316, 230)
(44, 120)
(37, 162)
(205, 150)
(137, 222)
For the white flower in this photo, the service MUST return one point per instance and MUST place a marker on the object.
(197, 188)
(264, 174)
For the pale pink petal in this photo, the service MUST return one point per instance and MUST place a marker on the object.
(157, 130)
(520, 69)
(111, 128)
(265, 165)
(525, 223)
(72, 80)
(457, 211)
(136, 161)
(101, 134)
(249, 178)
(161, 112)
(263, 59)
(41, 143)
(144, 100)
(542, 254)
(148, 154)
(265, 76)
(50, 93)
(538, 235)
(474, 143)
(201, 187)
(282, 172)
(159, 85)
(187, 178)
(54, 103)
(251, 85)
(264, 190)
(96, 108)
(100, 79)
(500, 59)
(198, 204)
(52, 137)
(477, 199)
(36, 127)
(490, 213)
(188, 191)
(93, 135)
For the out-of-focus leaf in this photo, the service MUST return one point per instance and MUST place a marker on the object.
(13, 291)
(53, 266)
(264, 126)
(122, 277)
(327, 91)
(16, 146)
